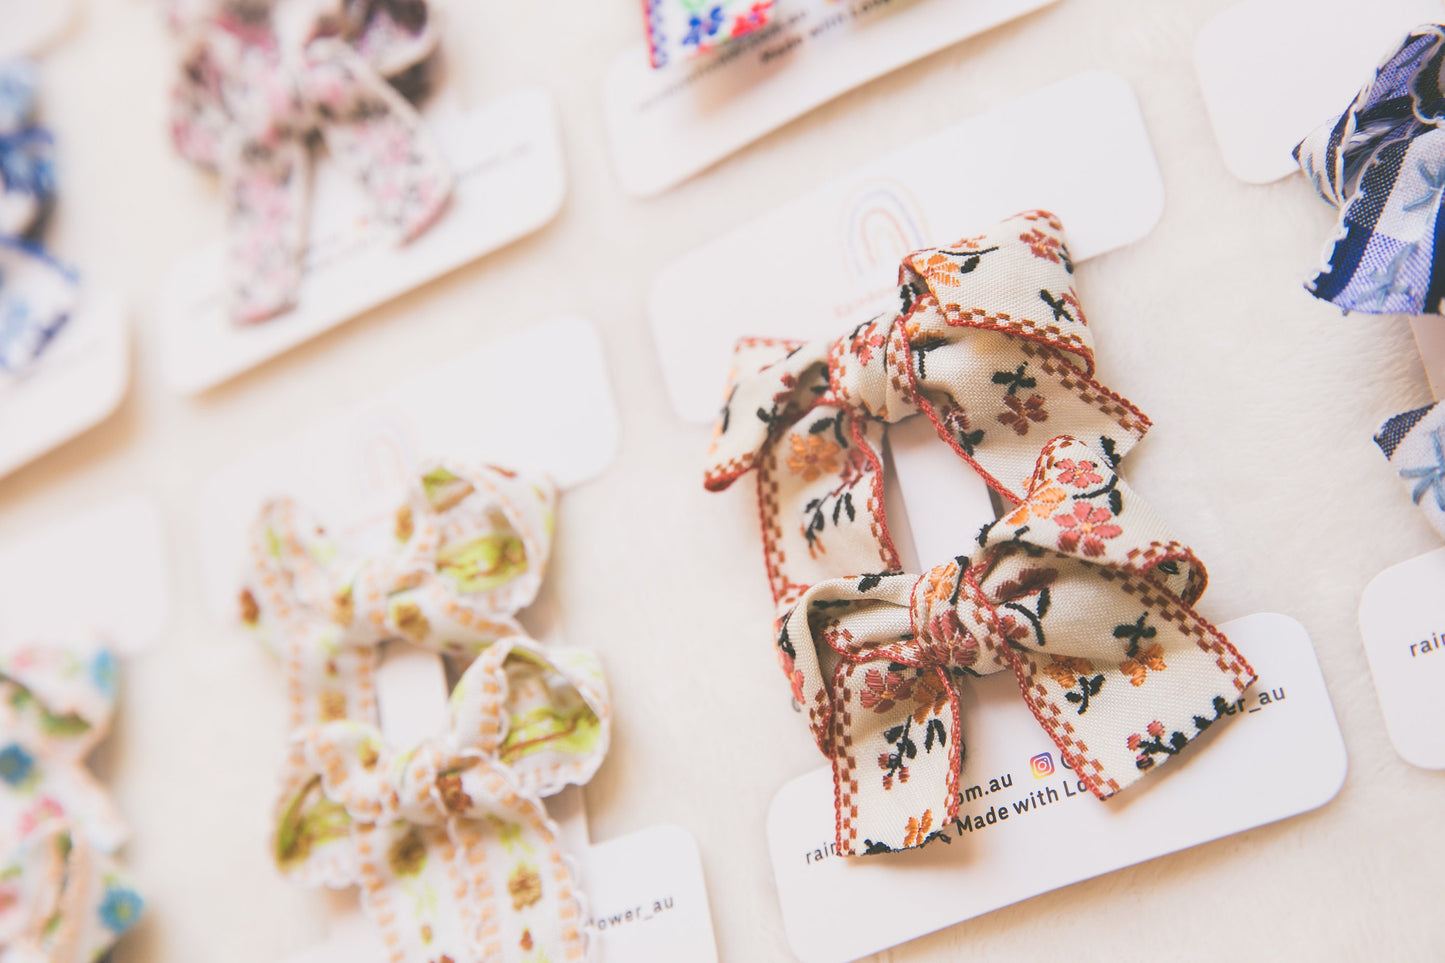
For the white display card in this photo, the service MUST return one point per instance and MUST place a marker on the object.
(830, 257)
(1271, 71)
(1031, 825)
(76, 384)
(506, 158)
(485, 405)
(668, 124)
(42, 600)
(1402, 619)
(31, 26)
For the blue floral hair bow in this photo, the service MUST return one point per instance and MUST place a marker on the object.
(1382, 163)
(37, 294)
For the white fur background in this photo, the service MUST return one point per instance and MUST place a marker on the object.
(1263, 400)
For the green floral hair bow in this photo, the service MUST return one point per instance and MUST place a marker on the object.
(63, 897)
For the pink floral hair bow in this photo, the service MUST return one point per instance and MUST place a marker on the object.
(258, 78)
(1081, 592)
(63, 897)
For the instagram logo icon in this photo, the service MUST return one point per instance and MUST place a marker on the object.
(1042, 765)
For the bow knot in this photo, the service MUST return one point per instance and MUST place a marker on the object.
(1081, 592)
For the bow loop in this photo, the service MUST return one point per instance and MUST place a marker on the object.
(1382, 163)
(1081, 592)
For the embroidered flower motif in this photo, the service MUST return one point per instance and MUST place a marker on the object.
(16, 765)
(1155, 745)
(701, 27)
(813, 456)
(918, 829)
(1012, 629)
(1066, 669)
(407, 855)
(525, 885)
(1138, 667)
(1430, 478)
(1044, 246)
(120, 909)
(1020, 413)
(881, 691)
(1040, 504)
(1080, 474)
(929, 697)
(1029, 581)
(868, 338)
(794, 674)
(1087, 525)
(454, 797)
(331, 705)
(751, 19)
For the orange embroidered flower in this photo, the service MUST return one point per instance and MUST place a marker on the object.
(1040, 504)
(813, 456)
(1088, 525)
(525, 886)
(929, 696)
(1066, 669)
(1139, 667)
(882, 690)
(1020, 413)
(1044, 246)
(918, 829)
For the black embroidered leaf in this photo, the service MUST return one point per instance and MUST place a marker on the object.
(935, 727)
(869, 582)
(820, 426)
(1111, 452)
(1178, 741)
(870, 848)
(891, 736)
(1015, 379)
(848, 503)
(1044, 602)
(1116, 501)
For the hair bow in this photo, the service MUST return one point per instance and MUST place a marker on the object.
(37, 294)
(1415, 443)
(63, 898)
(989, 343)
(679, 29)
(460, 814)
(1081, 592)
(1382, 163)
(448, 570)
(259, 77)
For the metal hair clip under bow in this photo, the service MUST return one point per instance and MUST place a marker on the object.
(448, 839)
(63, 897)
(258, 78)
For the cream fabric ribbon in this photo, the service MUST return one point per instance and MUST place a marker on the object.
(1081, 592)
(989, 343)
(63, 897)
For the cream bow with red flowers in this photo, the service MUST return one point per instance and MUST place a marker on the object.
(449, 841)
(448, 570)
(1081, 592)
(63, 897)
(258, 78)
(989, 343)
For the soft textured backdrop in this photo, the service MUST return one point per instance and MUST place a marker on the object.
(1263, 402)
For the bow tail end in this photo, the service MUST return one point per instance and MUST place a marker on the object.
(268, 186)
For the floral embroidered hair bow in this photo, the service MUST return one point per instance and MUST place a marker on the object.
(1081, 592)
(258, 78)
(37, 295)
(1382, 163)
(989, 343)
(63, 898)
(679, 29)
(431, 832)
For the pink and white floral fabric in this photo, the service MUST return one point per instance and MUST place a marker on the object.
(258, 79)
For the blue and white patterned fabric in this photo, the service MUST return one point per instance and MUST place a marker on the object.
(37, 295)
(27, 153)
(1382, 163)
(1415, 444)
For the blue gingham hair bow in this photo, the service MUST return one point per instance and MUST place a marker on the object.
(1415, 444)
(1382, 163)
(37, 294)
